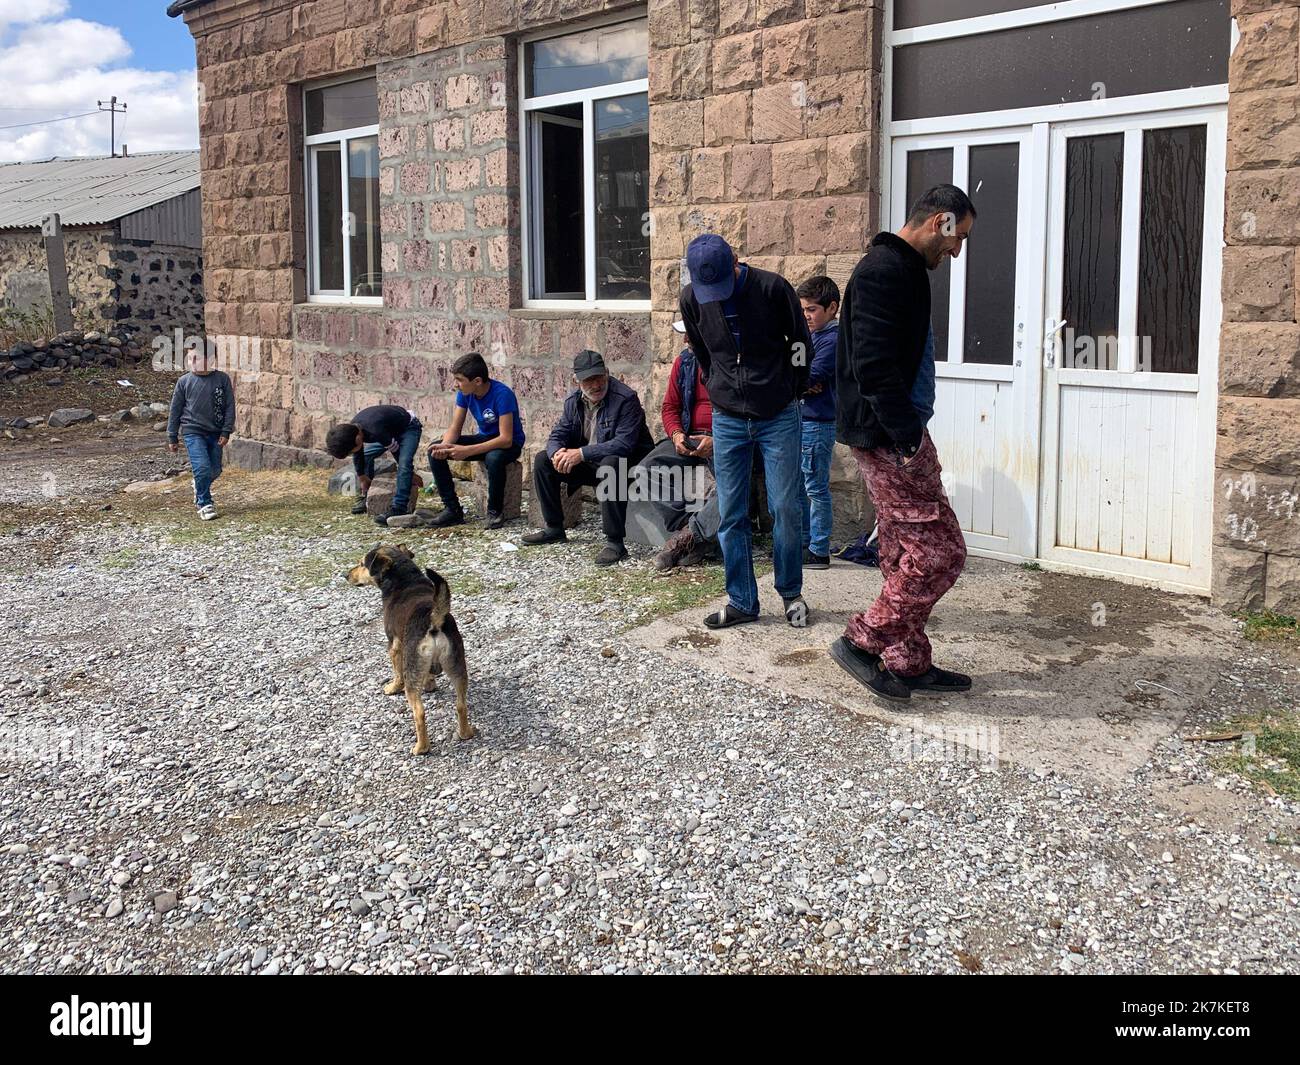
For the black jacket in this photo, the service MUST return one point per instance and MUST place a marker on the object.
(884, 320)
(772, 371)
(621, 430)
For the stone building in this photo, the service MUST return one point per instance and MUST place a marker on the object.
(132, 238)
(388, 183)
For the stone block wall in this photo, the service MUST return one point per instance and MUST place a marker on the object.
(765, 127)
(1256, 562)
(449, 201)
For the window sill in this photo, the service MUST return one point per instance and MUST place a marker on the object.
(359, 303)
(639, 309)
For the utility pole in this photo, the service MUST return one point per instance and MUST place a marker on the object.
(113, 111)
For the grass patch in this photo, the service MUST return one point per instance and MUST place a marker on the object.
(121, 559)
(1272, 758)
(1031, 567)
(1267, 625)
(645, 596)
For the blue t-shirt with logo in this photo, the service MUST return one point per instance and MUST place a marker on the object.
(499, 400)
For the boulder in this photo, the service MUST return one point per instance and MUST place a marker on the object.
(513, 505)
(66, 416)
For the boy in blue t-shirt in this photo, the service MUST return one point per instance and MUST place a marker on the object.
(498, 442)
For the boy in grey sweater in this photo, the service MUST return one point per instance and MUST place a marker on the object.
(203, 414)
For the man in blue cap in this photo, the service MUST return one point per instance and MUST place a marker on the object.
(748, 331)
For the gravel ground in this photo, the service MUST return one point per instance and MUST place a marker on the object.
(234, 794)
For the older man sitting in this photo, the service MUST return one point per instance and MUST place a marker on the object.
(601, 434)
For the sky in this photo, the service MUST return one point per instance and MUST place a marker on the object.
(60, 57)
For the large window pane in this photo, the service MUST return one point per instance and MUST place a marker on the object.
(622, 198)
(991, 269)
(1169, 259)
(363, 203)
(347, 106)
(925, 169)
(560, 203)
(328, 202)
(1122, 53)
(1094, 190)
(603, 56)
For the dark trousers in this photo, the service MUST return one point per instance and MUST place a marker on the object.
(546, 485)
(496, 462)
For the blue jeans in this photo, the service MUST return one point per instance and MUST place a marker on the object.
(407, 445)
(205, 463)
(818, 447)
(777, 440)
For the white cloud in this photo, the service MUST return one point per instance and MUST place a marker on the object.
(52, 66)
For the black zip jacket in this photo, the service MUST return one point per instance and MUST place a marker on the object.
(772, 371)
(884, 320)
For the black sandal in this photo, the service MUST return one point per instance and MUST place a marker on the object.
(727, 617)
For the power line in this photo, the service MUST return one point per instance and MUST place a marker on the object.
(46, 121)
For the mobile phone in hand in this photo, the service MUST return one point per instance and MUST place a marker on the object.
(691, 444)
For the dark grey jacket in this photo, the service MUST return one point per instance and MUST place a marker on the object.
(621, 430)
(202, 403)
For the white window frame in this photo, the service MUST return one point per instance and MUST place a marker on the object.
(340, 138)
(530, 173)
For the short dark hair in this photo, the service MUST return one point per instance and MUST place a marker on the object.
(942, 199)
(471, 366)
(341, 440)
(820, 289)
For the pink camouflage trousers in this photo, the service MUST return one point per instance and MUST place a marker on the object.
(922, 552)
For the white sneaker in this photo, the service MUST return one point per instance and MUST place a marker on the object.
(208, 512)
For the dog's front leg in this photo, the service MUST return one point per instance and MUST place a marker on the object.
(395, 657)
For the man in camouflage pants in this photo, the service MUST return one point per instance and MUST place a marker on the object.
(884, 325)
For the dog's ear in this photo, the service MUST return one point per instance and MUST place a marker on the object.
(404, 551)
(378, 561)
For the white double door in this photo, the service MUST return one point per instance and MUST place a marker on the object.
(1077, 338)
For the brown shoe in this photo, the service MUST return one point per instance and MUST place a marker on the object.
(677, 547)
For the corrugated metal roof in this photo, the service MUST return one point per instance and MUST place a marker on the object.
(92, 191)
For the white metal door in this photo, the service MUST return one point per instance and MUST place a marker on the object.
(985, 424)
(1129, 385)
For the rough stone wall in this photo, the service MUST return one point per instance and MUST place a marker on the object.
(24, 278)
(156, 287)
(1256, 561)
(449, 212)
(765, 128)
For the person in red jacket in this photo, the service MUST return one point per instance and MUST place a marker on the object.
(687, 417)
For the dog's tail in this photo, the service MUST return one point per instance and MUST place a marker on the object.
(441, 597)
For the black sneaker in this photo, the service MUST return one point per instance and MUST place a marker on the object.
(447, 517)
(544, 536)
(811, 561)
(494, 520)
(611, 553)
(382, 519)
(359, 507)
(866, 669)
(938, 680)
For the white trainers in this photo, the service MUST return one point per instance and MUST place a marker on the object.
(208, 512)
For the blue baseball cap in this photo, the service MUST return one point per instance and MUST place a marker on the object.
(712, 265)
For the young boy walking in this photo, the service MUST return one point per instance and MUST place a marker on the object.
(820, 298)
(203, 415)
(498, 442)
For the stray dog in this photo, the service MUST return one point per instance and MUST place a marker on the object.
(423, 639)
